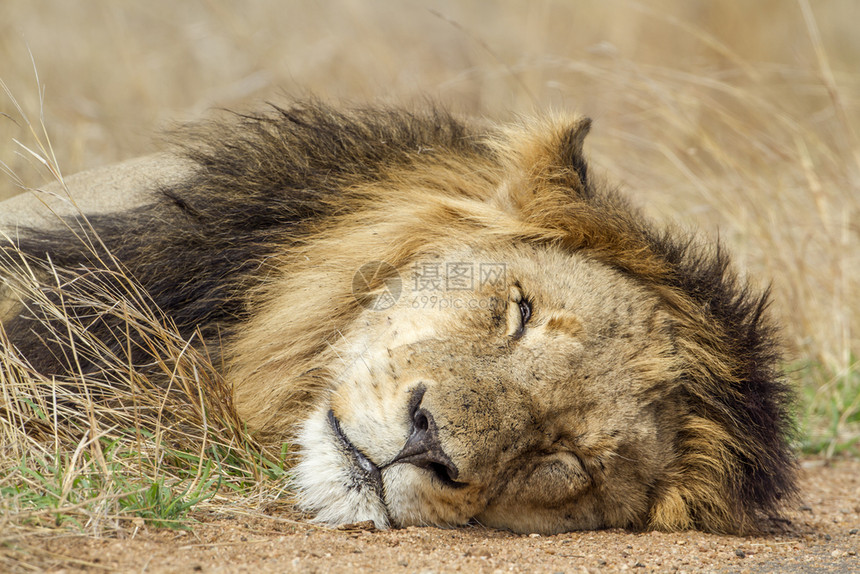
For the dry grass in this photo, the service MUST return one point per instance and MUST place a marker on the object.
(736, 118)
(99, 450)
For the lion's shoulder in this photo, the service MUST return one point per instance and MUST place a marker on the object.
(107, 189)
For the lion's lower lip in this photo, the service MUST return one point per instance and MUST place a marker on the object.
(361, 460)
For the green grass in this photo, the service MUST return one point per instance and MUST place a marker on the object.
(830, 402)
(100, 486)
(53, 489)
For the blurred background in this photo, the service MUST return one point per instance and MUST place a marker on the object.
(736, 119)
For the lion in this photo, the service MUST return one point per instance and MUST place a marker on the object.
(455, 321)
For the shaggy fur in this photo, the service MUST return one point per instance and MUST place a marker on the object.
(257, 249)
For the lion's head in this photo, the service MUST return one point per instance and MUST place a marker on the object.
(458, 324)
(535, 389)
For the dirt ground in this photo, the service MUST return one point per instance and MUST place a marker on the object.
(821, 535)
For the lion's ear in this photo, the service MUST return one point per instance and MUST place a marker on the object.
(570, 150)
(545, 162)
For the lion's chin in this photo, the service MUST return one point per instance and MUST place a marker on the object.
(334, 481)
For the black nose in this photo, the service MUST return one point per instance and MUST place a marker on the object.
(423, 448)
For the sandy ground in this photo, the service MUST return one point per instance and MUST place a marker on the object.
(821, 535)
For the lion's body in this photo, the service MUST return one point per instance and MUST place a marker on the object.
(526, 350)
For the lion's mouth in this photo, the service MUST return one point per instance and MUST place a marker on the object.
(364, 465)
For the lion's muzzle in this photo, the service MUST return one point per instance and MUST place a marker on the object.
(423, 447)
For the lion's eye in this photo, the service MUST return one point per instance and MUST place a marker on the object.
(522, 311)
(525, 312)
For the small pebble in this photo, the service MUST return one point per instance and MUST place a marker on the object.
(740, 553)
(853, 531)
(827, 537)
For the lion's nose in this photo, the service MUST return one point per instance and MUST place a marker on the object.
(424, 450)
